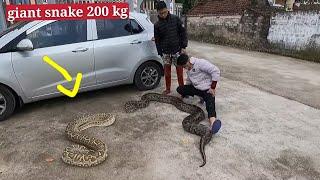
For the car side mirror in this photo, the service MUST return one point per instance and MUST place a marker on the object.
(25, 45)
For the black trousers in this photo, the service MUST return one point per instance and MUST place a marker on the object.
(190, 90)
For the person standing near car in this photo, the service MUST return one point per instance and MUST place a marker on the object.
(171, 40)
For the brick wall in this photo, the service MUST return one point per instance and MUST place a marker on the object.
(295, 34)
(247, 30)
(253, 24)
(220, 7)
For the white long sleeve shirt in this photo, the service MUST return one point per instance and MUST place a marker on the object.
(202, 74)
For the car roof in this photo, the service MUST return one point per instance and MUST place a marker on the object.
(135, 14)
(11, 35)
(131, 15)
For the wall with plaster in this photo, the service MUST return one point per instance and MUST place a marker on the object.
(298, 30)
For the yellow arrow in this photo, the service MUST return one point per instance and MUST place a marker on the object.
(67, 76)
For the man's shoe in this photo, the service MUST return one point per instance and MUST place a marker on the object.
(216, 126)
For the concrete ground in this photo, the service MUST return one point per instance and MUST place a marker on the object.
(268, 104)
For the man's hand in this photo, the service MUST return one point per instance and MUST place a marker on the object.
(183, 51)
(212, 91)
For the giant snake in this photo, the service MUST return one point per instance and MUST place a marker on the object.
(190, 124)
(89, 151)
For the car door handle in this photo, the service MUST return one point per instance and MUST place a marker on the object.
(136, 42)
(80, 50)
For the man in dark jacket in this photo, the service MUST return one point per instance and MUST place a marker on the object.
(171, 40)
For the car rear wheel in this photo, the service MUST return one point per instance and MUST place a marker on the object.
(147, 76)
(7, 102)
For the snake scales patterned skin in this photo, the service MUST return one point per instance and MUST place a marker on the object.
(90, 151)
(190, 124)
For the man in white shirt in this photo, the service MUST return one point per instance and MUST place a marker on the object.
(202, 78)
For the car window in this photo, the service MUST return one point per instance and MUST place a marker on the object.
(11, 46)
(13, 27)
(59, 33)
(136, 28)
(109, 28)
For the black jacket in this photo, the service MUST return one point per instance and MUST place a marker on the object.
(170, 35)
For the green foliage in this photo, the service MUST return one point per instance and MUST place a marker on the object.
(254, 2)
(187, 5)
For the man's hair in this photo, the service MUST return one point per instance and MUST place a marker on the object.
(182, 60)
(161, 5)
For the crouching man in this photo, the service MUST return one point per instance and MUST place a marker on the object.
(202, 78)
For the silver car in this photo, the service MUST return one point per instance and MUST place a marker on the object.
(106, 52)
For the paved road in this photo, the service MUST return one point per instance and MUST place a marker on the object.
(287, 77)
(268, 105)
